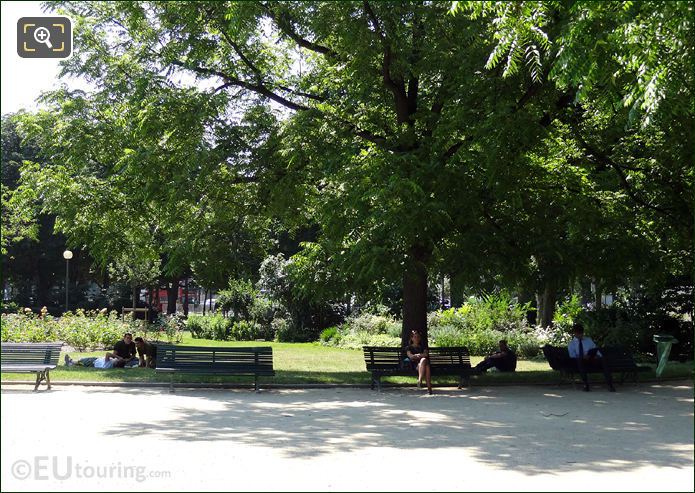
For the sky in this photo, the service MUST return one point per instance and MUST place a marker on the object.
(23, 79)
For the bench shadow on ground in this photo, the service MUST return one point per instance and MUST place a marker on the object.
(528, 430)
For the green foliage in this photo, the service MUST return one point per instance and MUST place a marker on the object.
(282, 328)
(396, 146)
(364, 329)
(237, 298)
(636, 53)
(194, 324)
(8, 306)
(80, 329)
(307, 315)
(329, 336)
(18, 215)
(497, 312)
(486, 341)
(169, 327)
(244, 330)
(567, 313)
(216, 326)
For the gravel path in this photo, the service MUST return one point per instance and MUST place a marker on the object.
(498, 439)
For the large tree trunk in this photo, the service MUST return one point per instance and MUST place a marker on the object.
(415, 294)
(526, 294)
(598, 295)
(456, 286)
(185, 297)
(172, 296)
(546, 303)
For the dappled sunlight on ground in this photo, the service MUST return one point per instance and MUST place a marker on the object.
(525, 432)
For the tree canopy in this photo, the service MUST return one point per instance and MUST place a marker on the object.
(508, 143)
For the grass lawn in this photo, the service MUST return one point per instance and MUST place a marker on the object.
(313, 363)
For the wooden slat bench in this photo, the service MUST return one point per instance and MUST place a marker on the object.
(28, 357)
(618, 360)
(254, 361)
(388, 361)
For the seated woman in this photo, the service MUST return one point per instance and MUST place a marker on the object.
(417, 357)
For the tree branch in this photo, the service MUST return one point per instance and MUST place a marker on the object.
(452, 150)
(284, 23)
(396, 86)
(234, 81)
(602, 158)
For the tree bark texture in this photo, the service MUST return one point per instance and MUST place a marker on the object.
(546, 303)
(415, 294)
(172, 296)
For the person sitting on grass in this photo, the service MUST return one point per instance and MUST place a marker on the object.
(147, 353)
(586, 355)
(502, 360)
(417, 357)
(126, 350)
(105, 362)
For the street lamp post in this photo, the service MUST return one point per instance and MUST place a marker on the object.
(67, 255)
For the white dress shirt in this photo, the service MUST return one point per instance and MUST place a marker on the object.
(587, 344)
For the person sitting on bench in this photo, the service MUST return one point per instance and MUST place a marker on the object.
(147, 353)
(417, 357)
(503, 360)
(587, 356)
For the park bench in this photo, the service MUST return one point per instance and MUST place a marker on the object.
(618, 361)
(254, 361)
(388, 361)
(28, 357)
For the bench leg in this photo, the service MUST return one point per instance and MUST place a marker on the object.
(378, 383)
(48, 379)
(39, 377)
(171, 384)
(255, 384)
(460, 382)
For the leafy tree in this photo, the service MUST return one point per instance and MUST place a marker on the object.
(378, 123)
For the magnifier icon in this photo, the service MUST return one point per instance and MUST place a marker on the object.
(43, 35)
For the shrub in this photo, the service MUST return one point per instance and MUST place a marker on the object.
(329, 335)
(80, 329)
(493, 312)
(8, 307)
(194, 323)
(170, 327)
(373, 324)
(281, 329)
(365, 329)
(244, 330)
(218, 327)
(483, 342)
(215, 327)
(567, 312)
(355, 340)
(262, 311)
(237, 298)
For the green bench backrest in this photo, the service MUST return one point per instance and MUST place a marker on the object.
(193, 357)
(449, 356)
(384, 358)
(616, 357)
(16, 353)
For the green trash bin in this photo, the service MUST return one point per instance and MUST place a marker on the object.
(663, 349)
